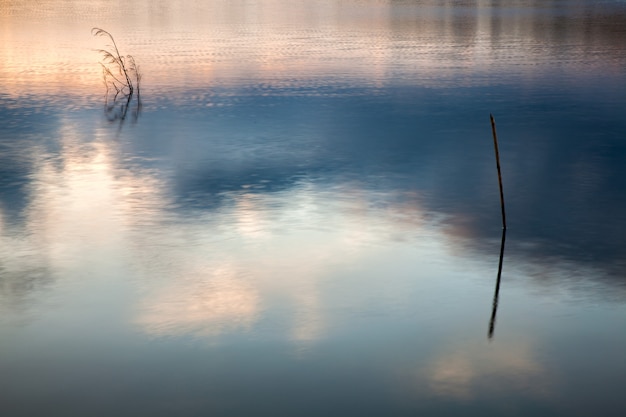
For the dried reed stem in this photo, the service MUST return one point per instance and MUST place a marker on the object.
(495, 144)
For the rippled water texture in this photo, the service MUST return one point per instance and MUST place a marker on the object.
(299, 214)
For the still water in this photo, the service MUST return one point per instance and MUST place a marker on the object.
(302, 217)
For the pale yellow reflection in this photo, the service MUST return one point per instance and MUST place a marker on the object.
(78, 225)
(250, 217)
(83, 205)
(465, 373)
(309, 320)
(203, 303)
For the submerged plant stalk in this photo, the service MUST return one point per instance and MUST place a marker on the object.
(495, 144)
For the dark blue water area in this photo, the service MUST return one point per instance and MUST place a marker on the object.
(349, 376)
(24, 125)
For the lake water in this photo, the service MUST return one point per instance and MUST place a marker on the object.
(302, 217)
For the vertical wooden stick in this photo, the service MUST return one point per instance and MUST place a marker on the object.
(495, 144)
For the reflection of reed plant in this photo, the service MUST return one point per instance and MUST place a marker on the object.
(121, 78)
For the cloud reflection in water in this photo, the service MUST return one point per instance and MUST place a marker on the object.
(201, 303)
(473, 370)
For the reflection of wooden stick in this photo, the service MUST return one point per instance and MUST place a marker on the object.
(495, 144)
(494, 310)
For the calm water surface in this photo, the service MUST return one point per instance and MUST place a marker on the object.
(303, 219)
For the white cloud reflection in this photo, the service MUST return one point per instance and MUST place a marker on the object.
(471, 371)
(270, 255)
(202, 303)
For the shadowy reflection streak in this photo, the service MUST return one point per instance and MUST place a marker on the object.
(494, 311)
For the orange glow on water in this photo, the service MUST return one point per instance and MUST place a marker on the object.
(48, 47)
